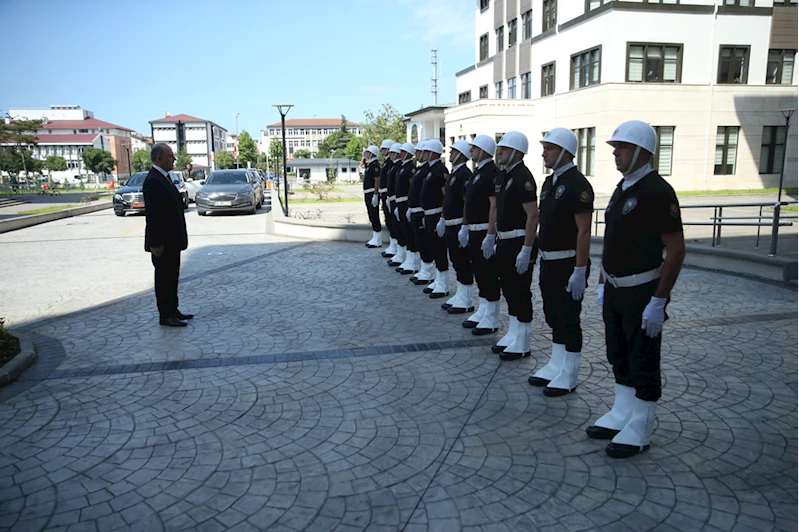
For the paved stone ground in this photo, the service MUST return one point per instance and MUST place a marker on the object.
(319, 390)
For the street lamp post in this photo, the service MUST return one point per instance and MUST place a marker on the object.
(236, 143)
(775, 225)
(127, 149)
(283, 109)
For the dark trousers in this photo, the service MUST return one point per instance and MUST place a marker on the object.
(485, 271)
(459, 256)
(635, 357)
(560, 310)
(515, 287)
(438, 246)
(167, 272)
(420, 236)
(388, 214)
(373, 212)
(407, 230)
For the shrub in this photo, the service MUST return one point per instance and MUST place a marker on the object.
(9, 345)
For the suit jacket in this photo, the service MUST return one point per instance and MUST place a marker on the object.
(163, 206)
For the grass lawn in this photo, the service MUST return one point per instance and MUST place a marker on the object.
(733, 191)
(327, 200)
(52, 208)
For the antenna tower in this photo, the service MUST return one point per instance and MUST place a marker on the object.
(434, 81)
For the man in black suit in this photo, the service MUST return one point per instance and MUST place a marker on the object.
(165, 235)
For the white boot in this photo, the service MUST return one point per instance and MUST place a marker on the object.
(429, 288)
(391, 250)
(400, 257)
(566, 380)
(464, 304)
(407, 265)
(637, 433)
(472, 321)
(442, 285)
(543, 376)
(520, 347)
(506, 340)
(490, 321)
(454, 299)
(426, 273)
(607, 426)
(376, 241)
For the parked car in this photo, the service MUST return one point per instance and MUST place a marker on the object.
(229, 190)
(130, 197)
(180, 184)
(260, 185)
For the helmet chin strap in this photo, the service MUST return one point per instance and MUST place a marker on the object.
(633, 161)
(557, 161)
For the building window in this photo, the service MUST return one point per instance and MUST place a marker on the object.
(780, 67)
(483, 47)
(548, 79)
(585, 69)
(527, 25)
(664, 149)
(733, 64)
(586, 144)
(726, 150)
(498, 137)
(512, 88)
(590, 5)
(484, 4)
(653, 63)
(484, 92)
(739, 3)
(550, 14)
(498, 90)
(465, 97)
(526, 89)
(512, 32)
(500, 39)
(772, 149)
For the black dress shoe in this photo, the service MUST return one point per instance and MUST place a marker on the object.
(406, 272)
(172, 321)
(371, 246)
(386, 254)
(427, 290)
(459, 310)
(495, 348)
(601, 433)
(446, 306)
(420, 282)
(556, 392)
(513, 356)
(438, 295)
(537, 381)
(179, 315)
(621, 450)
(469, 324)
(481, 331)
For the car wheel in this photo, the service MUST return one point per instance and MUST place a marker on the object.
(185, 202)
(119, 213)
(254, 207)
(259, 204)
(201, 213)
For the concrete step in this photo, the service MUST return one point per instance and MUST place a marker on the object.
(11, 202)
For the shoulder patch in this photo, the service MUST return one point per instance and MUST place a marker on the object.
(528, 186)
(585, 197)
(674, 210)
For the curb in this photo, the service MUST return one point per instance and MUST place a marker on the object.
(22, 361)
(35, 219)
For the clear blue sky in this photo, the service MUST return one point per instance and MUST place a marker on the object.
(130, 61)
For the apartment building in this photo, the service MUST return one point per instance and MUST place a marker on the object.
(202, 138)
(713, 78)
(305, 133)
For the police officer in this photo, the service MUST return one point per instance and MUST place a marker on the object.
(641, 220)
(513, 219)
(416, 216)
(566, 206)
(478, 191)
(402, 189)
(396, 158)
(433, 205)
(391, 250)
(449, 225)
(371, 196)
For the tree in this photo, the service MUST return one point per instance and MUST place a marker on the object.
(302, 154)
(20, 133)
(261, 162)
(224, 160)
(55, 163)
(141, 160)
(183, 159)
(355, 147)
(276, 149)
(15, 162)
(247, 151)
(386, 124)
(98, 161)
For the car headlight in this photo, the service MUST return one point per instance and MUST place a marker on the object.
(202, 195)
(117, 197)
(243, 194)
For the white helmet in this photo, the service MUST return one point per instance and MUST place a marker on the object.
(373, 150)
(463, 147)
(485, 143)
(386, 144)
(408, 147)
(560, 136)
(421, 145)
(514, 140)
(395, 148)
(434, 145)
(637, 133)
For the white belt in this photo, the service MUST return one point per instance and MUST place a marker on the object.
(367, 190)
(383, 190)
(516, 233)
(430, 212)
(402, 199)
(392, 198)
(558, 255)
(478, 227)
(414, 210)
(629, 281)
(456, 221)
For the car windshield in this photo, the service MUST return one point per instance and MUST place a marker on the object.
(136, 180)
(226, 178)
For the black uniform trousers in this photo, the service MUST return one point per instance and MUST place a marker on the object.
(399, 230)
(373, 212)
(167, 272)
(459, 256)
(515, 287)
(562, 313)
(635, 357)
(420, 236)
(438, 246)
(388, 215)
(405, 226)
(485, 271)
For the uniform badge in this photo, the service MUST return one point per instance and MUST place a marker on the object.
(629, 205)
(674, 210)
(507, 186)
(559, 192)
(428, 175)
(476, 178)
(543, 195)
(452, 181)
(585, 197)
(528, 186)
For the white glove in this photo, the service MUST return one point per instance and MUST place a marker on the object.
(441, 227)
(374, 200)
(600, 295)
(488, 246)
(523, 259)
(653, 317)
(396, 213)
(576, 286)
(463, 236)
(408, 214)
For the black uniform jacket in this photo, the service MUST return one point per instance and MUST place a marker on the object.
(163, 206)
